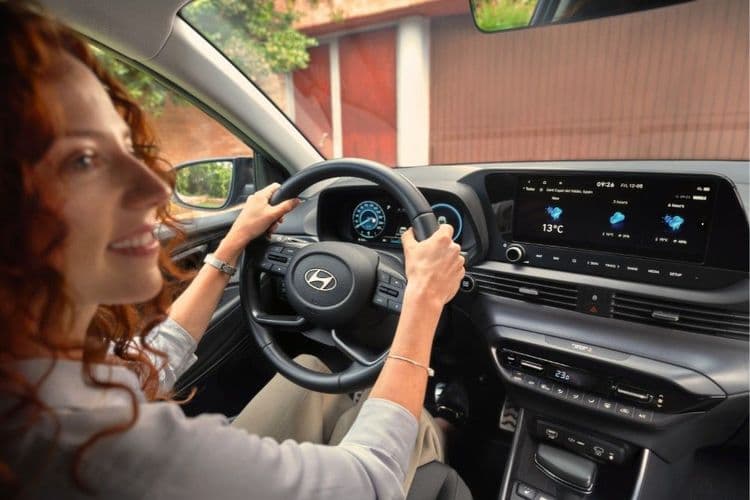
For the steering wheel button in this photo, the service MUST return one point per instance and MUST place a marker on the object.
(394, 305)
(380, 300)
(289, 250)
(274, 249)
(397, 282)
(384, 277)
(276, 268)
(388, 291)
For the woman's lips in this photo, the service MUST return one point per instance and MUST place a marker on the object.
(139, 244)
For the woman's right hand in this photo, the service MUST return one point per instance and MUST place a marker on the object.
(434, 267)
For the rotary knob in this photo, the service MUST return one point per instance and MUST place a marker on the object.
(515, 253)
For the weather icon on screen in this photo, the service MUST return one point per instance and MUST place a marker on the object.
(617, 218)
(554, 212)
(674, 222)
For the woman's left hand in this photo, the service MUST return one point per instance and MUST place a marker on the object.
(256, 217)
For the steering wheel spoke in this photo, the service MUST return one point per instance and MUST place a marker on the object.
(360, 355)
(285, 321)
(273, 255)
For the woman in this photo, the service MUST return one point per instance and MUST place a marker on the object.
(82, 191)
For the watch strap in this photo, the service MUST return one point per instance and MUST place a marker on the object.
(220, 265)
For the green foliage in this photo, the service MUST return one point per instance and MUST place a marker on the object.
(497, 15)
(252, 33)
(205, 184)
(141, 86)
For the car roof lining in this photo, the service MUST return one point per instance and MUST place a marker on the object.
(138, 29)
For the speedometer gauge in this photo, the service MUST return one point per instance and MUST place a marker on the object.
(368, 219)
(449, 214)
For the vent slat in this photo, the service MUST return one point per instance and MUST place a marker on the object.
(679, 326)
(538, 291)
(693, 318)
(671, 306)
(517, 288)
(519, 282)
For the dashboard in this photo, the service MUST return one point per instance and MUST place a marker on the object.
(684, 231)
(612, 297)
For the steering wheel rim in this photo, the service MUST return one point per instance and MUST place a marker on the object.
(360, 374)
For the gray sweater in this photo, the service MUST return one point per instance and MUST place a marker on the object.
(166, 455)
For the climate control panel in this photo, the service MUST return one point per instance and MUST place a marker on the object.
(636, 396)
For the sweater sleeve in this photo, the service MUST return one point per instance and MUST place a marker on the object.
(210, 459)
(173, 340)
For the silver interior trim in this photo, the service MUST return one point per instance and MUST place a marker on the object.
(641, 474)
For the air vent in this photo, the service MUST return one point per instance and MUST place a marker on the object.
(540, 291)
(680, 315)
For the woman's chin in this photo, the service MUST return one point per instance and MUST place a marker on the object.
(137, 291)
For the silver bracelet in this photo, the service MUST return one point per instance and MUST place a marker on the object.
(430, 371)
(219, 264)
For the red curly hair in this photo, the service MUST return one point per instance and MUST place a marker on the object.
(34, 303)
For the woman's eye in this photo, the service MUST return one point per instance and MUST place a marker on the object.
(84, 161)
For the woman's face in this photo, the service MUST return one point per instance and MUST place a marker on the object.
(108, 196)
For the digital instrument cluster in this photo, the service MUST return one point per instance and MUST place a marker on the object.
(380, 220)
(370, 216)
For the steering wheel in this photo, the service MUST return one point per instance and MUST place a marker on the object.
(338, 290)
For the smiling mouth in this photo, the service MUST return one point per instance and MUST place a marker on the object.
(140, 244)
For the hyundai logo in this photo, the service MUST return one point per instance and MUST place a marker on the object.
(320, 279)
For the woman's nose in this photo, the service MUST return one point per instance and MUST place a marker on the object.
(147, 189)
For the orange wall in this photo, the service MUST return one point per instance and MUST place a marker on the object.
(368, 95)
(312, 100)
(186, 133)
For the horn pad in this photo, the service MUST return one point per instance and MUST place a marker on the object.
(330, 282)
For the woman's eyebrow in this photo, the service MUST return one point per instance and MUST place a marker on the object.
(125, 133)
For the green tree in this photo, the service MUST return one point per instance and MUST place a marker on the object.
(496, 15)
(205, 184)
(252, 33)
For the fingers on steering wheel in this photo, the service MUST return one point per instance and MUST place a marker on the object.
(268, 191)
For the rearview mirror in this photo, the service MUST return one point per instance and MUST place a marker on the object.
(215, 183)
(500, 15)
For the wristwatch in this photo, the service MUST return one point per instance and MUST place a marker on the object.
(219, 264)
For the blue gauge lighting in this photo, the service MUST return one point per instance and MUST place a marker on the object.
(368, 219)
(448, 214)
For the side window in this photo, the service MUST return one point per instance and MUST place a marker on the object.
(214, 167)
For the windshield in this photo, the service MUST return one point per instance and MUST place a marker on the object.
(415, 83)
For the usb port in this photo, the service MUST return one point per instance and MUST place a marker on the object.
(531, 365)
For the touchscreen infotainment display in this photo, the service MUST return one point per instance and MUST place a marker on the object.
(652, 216)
